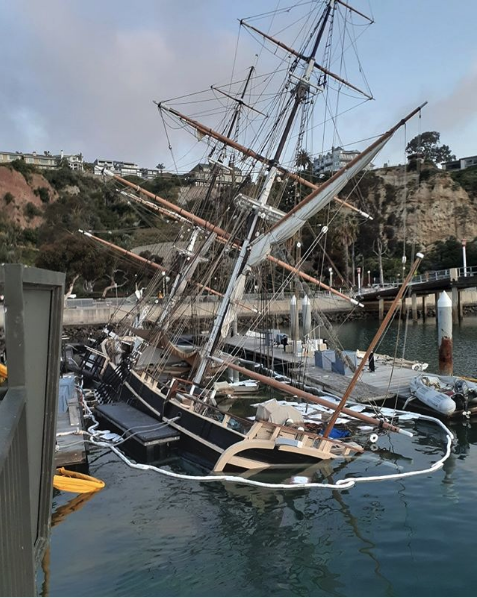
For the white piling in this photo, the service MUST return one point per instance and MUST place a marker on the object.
(306, 315)
(444, 329)
(294, 326)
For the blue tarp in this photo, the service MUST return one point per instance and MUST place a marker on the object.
(339, 433)
(66, 391)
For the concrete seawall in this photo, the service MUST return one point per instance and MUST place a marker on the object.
(102, 312)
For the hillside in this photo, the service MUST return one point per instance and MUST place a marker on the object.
(41, 212)
(423, 206)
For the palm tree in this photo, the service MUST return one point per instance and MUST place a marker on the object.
(303, 160)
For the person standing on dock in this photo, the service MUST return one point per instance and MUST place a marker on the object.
(372, 367)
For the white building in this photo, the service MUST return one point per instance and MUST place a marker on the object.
(149, 173)
(460, 164)
(45, 160)
(334, 160)
(120, 168)
(74, 161)
(201, 174)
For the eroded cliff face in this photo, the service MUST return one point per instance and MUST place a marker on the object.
(16, 194)
(421, 207)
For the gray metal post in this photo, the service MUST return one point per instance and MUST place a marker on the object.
(294, 324)
(414, 307)
(381, 309)
(455, 305)
(444, 329)
(306, 315)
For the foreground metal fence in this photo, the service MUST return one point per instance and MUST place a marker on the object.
(28, 407)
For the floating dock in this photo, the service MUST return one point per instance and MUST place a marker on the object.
(145, 436)
(385, 383)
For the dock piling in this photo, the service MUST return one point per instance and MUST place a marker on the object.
(444, 329)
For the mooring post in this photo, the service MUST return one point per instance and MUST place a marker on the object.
(306, 316)
(424, 313)
(294, 325)
(455, 305)
(444, 329)
(381, 309)
(414, 307)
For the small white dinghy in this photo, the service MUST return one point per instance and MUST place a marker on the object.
(444, 394)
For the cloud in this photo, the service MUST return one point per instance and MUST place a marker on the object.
(456, 113)
(86, 81)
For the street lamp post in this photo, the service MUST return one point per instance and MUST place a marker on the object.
(330, 270)
(369, 278)
(464, 256)
(359, 280)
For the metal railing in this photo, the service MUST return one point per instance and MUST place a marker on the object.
(28, 408)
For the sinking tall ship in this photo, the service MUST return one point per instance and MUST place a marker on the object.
(239, 234)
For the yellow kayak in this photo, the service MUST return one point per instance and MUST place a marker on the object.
(3, 373)
(73, 481)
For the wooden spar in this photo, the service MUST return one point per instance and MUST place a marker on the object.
(302, 57)
(251, 154)
(178, 210)
(305, 395)
(153, 265)
(238, 100)
(153, 206)
(223, 236)
(349, 165)
(361, 14)
(373, 343)
(138, 258)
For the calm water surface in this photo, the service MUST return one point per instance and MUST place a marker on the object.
(147, 535)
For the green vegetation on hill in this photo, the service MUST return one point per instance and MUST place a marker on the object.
(467, 179)
(88, 203)
(94, 204)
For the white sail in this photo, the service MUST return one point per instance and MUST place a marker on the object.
(313, 203)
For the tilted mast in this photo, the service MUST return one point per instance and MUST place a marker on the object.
(237, 279)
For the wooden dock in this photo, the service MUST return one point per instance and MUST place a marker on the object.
(70, 447)
(385, 383)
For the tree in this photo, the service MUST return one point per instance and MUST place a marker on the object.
(303, 160)
(427, 144)
(160, 167)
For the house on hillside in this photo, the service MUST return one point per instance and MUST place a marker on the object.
(335, 160)
(118, 167)
(201, 174)
(45, 160)
(460, 164)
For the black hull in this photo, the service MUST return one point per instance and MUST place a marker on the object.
(201, 438)
(197, 433)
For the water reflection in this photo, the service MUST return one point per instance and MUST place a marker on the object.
(58, 515)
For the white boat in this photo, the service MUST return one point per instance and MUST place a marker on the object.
(444, 394)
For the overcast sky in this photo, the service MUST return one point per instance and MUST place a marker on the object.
(81, 75)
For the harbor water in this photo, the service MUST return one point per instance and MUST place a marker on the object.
(148, 535)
